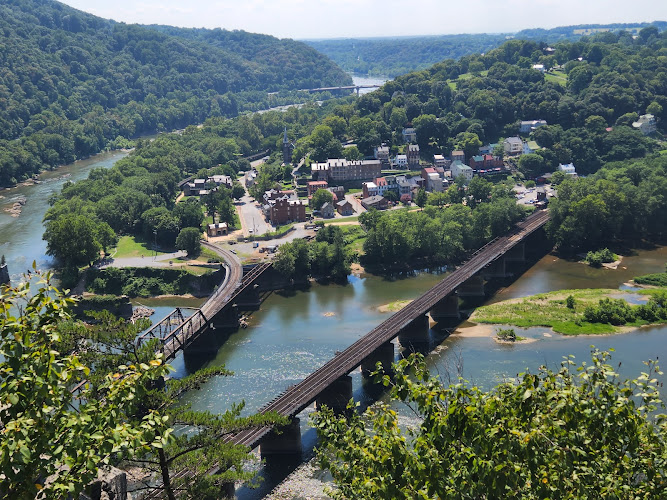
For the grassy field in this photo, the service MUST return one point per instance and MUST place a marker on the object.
(130, 246)
(550, 310)
(557, 77)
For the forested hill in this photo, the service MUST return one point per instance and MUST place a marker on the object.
(71, 82)
(390, 57)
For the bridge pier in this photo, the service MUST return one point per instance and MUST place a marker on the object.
(516, 253)
(473, 287)
(383, 354)
(288, 442)
(446, 309)
(228, 317)
(495, 269)
(249, 299)
(337, 395)
(416, 333)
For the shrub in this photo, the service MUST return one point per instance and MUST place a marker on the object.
(613, 311)
(570, 302)
(595, 259)
(508, 334)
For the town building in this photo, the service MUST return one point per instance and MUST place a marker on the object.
(315, 185)
(369, 189)
(526, 127)
(338, 192)
(539, 67)
(458, 155)
(409, 135)
(400, 161)
(344, 208)
(382, 153)
(327, 211)
(378, 202)
(513, 146)
(459, 168)
(288, 148)
(412, 152)
(568, 168)
(441, 161)
(342, 170)
(217, 229)
(283, 210)
(646, 124)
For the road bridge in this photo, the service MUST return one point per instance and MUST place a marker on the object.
(356, 88)
(178, 331)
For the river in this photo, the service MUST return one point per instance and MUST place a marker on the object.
(21, 237)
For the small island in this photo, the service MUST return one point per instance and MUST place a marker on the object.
(579, 312)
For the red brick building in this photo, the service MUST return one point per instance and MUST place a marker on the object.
(284, 210)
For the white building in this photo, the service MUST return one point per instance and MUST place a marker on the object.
(434, 183)
(568, 168)
(646, 124)
(526, 127)
(513, 145)
(401, 161)
(459, 168)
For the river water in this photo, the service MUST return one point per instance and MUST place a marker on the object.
(21, 237)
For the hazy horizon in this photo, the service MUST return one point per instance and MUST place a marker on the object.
(331, 19)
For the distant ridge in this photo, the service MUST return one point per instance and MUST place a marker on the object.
(393, 56)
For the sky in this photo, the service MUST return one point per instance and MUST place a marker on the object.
(308, 19)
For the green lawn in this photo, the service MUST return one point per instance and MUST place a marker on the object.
(557, 77)
(550, 310)
(131, 246)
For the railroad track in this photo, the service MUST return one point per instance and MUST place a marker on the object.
(299, 396)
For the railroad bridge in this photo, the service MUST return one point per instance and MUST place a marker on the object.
(180, 331)
(331, 384)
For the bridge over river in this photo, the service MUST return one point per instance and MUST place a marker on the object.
(331, 383)
(177, 331)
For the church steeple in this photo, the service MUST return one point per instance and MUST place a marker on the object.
(287, 148)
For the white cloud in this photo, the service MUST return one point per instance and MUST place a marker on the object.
(363, 18)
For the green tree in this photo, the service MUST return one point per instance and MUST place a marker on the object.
(352, 153)
(46, 433)
(324, 145)
(469, 143)
(189, 213)
(421, 198)
(531, 165)
(320, 197)
(575, 433)
(188, 240)
(77, 239)
(238, 191)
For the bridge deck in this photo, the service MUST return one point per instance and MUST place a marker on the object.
(299, 396)
(176, 336)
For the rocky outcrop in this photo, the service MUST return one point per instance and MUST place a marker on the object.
(4, 275)
(111, 484)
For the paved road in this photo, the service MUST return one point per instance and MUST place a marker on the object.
(251, 217)
(147, 261)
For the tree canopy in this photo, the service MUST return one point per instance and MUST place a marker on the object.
(573, 433)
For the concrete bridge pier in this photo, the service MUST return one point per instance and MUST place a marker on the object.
(383, 354)
(446, 309)
(495, 269)
(473, 287)
(416, 333)
(227, 318)
(249, 299)
(516, 253)
(337, 395)
(287, 442)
